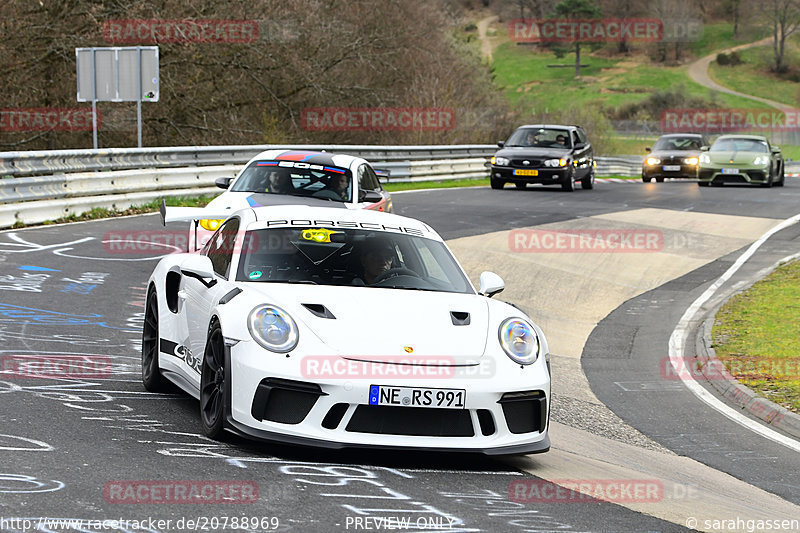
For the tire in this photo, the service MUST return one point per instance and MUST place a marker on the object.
(645, 179)
(588, 182)
(521, 185)
(768, 184)
(497, 184)
(660, 179)
(702, 184)
(213, 384)
(568, 184)
(151, 373)
(783, 178)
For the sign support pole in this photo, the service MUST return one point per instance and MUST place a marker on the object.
(94, 103)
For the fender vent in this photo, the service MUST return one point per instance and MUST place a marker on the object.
(459, 318)
(319, 310)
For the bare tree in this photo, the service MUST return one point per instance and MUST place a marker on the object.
(784, 16)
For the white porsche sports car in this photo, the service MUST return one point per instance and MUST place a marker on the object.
(344, 328)
(282, 177)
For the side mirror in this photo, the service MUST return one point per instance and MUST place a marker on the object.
(223, 183)
(704, 148)
(501, 143)
(578, 146)
(490, 284)
(197, 266)
(647, 149)
(776, 150)
(371, 197)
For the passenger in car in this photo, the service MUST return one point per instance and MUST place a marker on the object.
(279, 183)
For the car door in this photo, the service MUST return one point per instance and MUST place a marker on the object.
(200, 295)
(368, 181)
(583, 153)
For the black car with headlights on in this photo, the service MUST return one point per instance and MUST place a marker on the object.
(546, 154)
(673, 156)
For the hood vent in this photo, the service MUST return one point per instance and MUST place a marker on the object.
(459, 318)
(319, 310)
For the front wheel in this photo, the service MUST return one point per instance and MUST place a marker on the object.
(521, 185)
(151, 373)
(588, 181)
(660, 179)
(569, 182)
(496, 184)
(702, 184)
(783, 178)
(213, 384)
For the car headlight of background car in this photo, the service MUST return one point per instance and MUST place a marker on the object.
(652, 161)
(555, 162)
(519, 341)
(704, 159)
(501, 161)
(690, 161)
(761, 160)
(273, 328)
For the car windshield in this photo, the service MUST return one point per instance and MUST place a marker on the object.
(296, 179)
(540, 138)
(677, 143)
(739, 145)
(349, 257)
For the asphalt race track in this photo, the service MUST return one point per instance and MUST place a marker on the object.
(69, 444)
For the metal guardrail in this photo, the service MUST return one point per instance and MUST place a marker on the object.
(17, 164)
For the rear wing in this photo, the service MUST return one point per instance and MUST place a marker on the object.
(178, 214)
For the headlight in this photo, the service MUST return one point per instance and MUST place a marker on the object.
(501, 161)
(652, 161)
(519, 341)
(210, 224)
(690, 160)
(556, 162)
(704, 158)
(273, 328)
(761, 160)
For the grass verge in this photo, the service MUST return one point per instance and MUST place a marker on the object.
(754, 77)
(757, 335)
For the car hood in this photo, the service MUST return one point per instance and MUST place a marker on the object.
(674, 153)
(737, 158)
(240, 200)
(385, 322)
(526, 151)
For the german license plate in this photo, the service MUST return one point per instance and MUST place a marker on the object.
(730, 170)
(672, 168)
(417, 397)
(525, 172)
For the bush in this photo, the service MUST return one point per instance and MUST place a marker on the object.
(651, 107)
(732, 59)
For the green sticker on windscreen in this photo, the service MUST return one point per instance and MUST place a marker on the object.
(255, 274)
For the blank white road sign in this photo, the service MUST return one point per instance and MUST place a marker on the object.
(115, 70)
